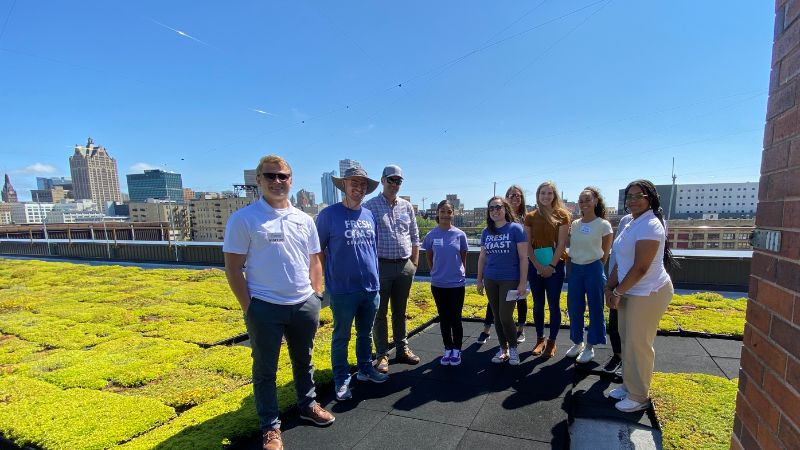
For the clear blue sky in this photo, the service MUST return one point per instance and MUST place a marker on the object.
(579, 92)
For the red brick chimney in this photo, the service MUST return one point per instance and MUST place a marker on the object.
(768, 402)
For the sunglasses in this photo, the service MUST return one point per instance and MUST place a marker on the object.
(513, 195)
(276, 176)
(395, 181)
(635, 196)
(496, 208)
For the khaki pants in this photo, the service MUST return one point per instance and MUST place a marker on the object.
(638, 324)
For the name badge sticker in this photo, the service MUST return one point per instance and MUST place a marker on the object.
(586, 229)
(439, 242)
(275, 237)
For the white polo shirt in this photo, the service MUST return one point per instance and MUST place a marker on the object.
(645, 227)
(278, 244)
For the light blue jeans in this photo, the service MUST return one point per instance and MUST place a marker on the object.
(585, 288)
(361, 307)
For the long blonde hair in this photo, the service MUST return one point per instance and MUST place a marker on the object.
(557, 206)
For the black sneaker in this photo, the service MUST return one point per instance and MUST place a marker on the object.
(483, 338)
(520, 336)
(613, 364)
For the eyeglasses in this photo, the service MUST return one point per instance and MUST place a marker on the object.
(630, 197)
(495, 207)
(276, 176)
(395, 180)
(513, 195)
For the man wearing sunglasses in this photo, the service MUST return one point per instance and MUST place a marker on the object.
(398, 255)
(277, 247)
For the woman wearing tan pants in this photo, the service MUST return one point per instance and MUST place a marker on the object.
(640, 288)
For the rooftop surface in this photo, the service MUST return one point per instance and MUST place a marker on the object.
(482, 405)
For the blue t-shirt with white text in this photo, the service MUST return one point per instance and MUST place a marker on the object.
(348, 239)
(446, 247)
(502, 258)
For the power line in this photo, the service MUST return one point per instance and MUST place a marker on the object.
(536, 59)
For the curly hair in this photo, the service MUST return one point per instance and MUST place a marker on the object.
(600, 207)
(649, 189)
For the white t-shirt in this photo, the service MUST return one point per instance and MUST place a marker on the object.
(586, 240)
(646, 227)
(278, 244)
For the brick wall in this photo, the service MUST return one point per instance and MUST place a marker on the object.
(768, 401)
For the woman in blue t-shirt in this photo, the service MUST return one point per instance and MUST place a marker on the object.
(446, 253)
(502, 266)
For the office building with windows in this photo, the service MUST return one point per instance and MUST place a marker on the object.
(47, 183)
(155, 184)
(330, 195)
(345, 164)
(716, 200)
(94, 174)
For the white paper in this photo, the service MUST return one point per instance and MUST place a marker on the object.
(513, 295)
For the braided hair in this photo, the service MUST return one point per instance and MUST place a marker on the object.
(649, 189)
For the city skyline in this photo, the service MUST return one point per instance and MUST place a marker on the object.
(592, 92)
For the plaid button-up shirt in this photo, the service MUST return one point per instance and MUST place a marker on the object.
(397, 229)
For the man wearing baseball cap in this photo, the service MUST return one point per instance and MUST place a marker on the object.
(347, 239)
(398, 256)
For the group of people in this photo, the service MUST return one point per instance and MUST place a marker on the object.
(366, 254)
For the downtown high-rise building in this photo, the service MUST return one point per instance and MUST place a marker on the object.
(9, 195)
(305, 199)
(330, 195)
(345, 164)
(47, 183)
(94, 174)
(156, 184)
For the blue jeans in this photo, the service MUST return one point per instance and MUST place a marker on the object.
(266, 324)
(361, 307)
(586, 283)
(551, 288)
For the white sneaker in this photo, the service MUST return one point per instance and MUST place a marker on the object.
(500, 357)
(628, 405)
(575, 350)
(445, 361)
(619, 393)
(586, 355)
(343, 392)
(513, 356)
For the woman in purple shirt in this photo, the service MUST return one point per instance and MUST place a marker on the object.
(446, 253)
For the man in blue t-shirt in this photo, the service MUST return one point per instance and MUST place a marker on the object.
(347, 240)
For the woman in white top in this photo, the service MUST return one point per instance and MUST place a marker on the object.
(590, 244)
(640, 288)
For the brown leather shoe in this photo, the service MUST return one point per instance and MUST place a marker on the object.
(539, 347)
(407, 357)
(550, 349)
(318, 415)
(272, 440)
(383, 364)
